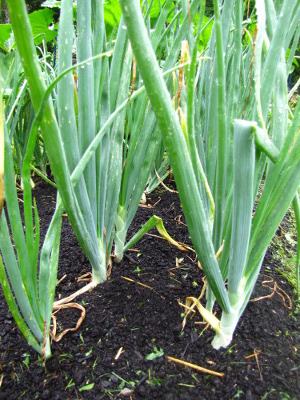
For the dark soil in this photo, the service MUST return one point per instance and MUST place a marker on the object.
(263, 361)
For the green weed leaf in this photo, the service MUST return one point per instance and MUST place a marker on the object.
(5, 32)
(155, 354)
(40, 22)
(86, 387)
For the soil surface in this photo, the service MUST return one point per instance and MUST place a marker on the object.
(121, 348)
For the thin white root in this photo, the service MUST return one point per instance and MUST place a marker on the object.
(66, 300)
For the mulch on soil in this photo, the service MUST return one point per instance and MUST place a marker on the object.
(133, 322)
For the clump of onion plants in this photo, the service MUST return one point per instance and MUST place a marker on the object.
(100, 148)
(234, 130)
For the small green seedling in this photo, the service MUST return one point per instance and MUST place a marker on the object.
(86, 387)
(70, 384)
(155, 354)
(26, 360)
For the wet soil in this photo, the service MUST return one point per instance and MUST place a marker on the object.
(134, 322)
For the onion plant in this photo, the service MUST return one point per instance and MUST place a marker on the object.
(108, 193)
(234, 138)
(27, 276)
(27, 273)
(142, 144)
(78, 131)
(82, 122)
(82, 108)
(67, 133)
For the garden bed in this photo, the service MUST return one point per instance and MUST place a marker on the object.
(134, 322)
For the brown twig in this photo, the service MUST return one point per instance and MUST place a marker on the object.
(256, 354)
(138, 283)
(61, 279)
(85, 277)
(150, 205)
(142, 285)
(178, 220)
(196, 367)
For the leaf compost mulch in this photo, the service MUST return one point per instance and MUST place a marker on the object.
(134, 322)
